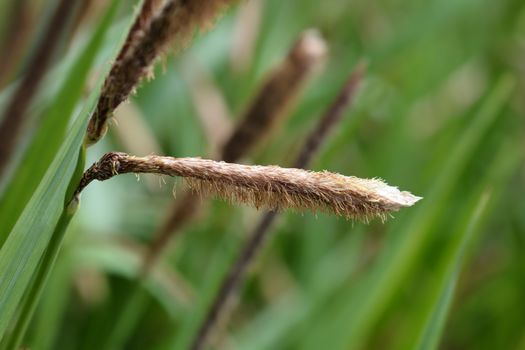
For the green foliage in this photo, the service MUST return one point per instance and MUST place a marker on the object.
(32, 245)
(440, 114)
(50, 134)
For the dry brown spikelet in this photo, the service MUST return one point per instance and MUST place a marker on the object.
(265, 186)
(276, 95)
(267, 110)
(137, 31)
(151, 35)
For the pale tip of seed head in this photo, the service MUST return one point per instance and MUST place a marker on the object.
(409, 198)
(313, 44)
(398, 199)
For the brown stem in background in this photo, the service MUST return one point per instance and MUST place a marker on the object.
(268, 109)
(175, 22)
(89, 12)
(219, 311)
(221, 307)
(263, 186)
(276, 95)
(15, 112)
(14, 39)
(331, 117)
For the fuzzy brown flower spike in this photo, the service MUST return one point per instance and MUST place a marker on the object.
(13, 117)
(139, 28)
(264, 114)
(265, 186)
(276, 95)
(150, 37)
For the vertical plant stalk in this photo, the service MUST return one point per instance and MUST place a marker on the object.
(220, 308)
(263, 186)
(14, 115)
(267, 110)
(139, 27)
(14, 39)
(149, 39)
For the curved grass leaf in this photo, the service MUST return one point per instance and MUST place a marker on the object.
(32, 233)
(355, 317)
(427, 332)
(277, 325)
(33, 293)
(52, 305)
(449, 274)
(23, 249)
(50, 133)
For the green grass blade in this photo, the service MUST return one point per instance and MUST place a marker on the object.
(134, 306)
(15, 338)
(357, 316)
(449, 274)
(434, 310)
(32, 233)
(32, 294)
(219, 264)
(21, 253)
(53, 303)
(50, 133)
(273, 326)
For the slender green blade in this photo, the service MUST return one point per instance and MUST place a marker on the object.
(32, 233)
(51, 132)
(34, 292)
(356, 317)
(278, 324)
(21, 253)
(427, 332)
(448, 276)
(52, 305)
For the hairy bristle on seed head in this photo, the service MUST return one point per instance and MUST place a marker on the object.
(270, 187)
(137, 31)
(187, 206)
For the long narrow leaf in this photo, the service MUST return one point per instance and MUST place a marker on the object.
(23, 249)
(435, 309)
(50, 133)
(372, 296)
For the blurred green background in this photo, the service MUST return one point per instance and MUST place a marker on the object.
(440, 113)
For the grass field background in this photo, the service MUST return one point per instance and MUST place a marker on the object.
(440, 113)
